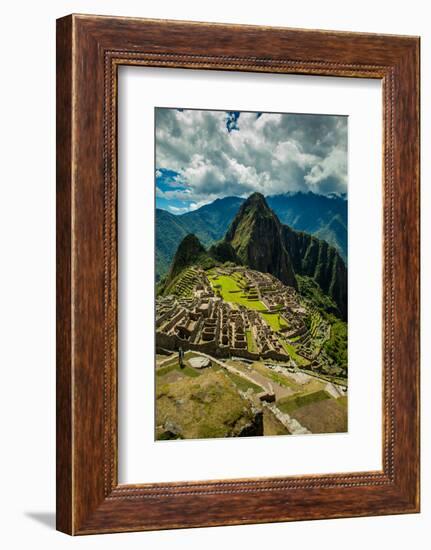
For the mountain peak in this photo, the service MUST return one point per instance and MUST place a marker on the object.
(255, 206)
(256, 199)
(190, 247)
(188, 252)
(255, 236)
(191, 240)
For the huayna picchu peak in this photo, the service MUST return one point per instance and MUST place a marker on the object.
(256, 236)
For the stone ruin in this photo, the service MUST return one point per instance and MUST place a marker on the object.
(202, 321)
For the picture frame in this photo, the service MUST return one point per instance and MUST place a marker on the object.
(89, 51)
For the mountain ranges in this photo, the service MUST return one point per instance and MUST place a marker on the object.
(321, 216)
(258, 239)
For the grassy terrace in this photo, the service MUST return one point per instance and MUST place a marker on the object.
(275, 321)
(182, 285)
(290, 404)
(328, 377)
(242, 383)
(173, 365)
(315, 322)
(186, 370)
(276, 377)
(336, 346)
(206, 406)
(299, 360)
(251, 346)
(231, 291)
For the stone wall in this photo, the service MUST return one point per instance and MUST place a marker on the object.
(174, 342)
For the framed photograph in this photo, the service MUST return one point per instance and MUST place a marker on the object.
(237, 274)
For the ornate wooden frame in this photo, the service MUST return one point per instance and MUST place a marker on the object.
(89, 51)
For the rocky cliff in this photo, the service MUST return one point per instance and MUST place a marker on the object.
(264, 244)
(256, 235)
(320, 261)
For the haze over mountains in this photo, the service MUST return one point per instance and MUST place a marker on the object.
(322, 216)
(256, 238)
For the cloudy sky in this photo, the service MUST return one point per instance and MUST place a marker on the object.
(205, 155)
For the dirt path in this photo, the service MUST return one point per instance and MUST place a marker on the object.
(253, 376)
(266, 382)
(279, 391)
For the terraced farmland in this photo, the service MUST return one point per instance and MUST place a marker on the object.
(183, 285)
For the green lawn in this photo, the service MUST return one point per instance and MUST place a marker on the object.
(301, 361)
(290, 404)
(231, 292)
(242, 383)
(276, 377)
(186, 370)
(251, 346)
(275, 321)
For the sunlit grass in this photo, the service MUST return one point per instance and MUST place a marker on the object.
(299, 360)
(242, 383)
(275, 321)
(251, 346)
(290, 404)
(231, 292)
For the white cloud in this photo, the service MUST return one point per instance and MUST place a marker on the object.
(273, 153)
(331, 169)
(178, 209)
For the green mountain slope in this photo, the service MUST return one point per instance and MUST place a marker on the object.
(318, 215)
(170, 230)
(208, 223)
(256, 235)
(191, 253)
(256, 238)
(335, 233)
(320, 261)
(324, 217)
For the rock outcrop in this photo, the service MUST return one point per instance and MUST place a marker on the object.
(320, 261)
(263, 243)
(256, 235)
